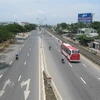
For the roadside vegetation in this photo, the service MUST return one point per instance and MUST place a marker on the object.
(9, 31)
(74, 26)
(72, 30)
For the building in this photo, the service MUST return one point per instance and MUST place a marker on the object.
(6, 23)
(95, 44)
(89, 32)
(24, 23)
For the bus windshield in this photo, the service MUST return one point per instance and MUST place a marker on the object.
(75, 51)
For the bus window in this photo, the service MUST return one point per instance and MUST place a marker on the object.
(69, 52)
(72, 51)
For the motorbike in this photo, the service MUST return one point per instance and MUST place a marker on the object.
(62, 60)
(16, 57)
(49, 47)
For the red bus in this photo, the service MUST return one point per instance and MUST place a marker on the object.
(70, 52)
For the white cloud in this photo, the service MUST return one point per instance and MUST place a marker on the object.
(10, 1)
(41, 12)
(15, 16)
(54, 15)
(29, 13)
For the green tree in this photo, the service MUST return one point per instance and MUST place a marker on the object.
(85, 40)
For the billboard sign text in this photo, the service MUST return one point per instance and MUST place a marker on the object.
(85, 18)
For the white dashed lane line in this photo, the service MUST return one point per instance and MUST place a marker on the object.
(84, 65)
(83, 80)
(1, 76)
(98, 78)
(20, 49)
(28, 54)
(30, 49)
(70, 64)
(59, 50)
(25, 63)
(19, 78)
(10, 63)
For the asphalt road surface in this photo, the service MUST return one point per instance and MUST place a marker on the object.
(20, 81)
(74, 81)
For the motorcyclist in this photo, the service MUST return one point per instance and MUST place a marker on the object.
(49, 47)
(16, 55)
(63, 57)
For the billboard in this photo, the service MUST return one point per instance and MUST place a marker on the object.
(85, 18)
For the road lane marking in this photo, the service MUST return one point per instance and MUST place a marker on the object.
(25, 63)
(30, 49)
(83, 80)
(54, 86)
(99, 78)
(84, 65)
(26, 92)
(70, 64)
(1, 93)
(20, 49)
(1, 76)
(10, 63)
(19, 78)
(28, 54)
(31, 45)
(59, 50)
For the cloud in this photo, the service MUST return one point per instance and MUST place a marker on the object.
(10, 1)
(15, 16)
(29, 13)
(41, 12)
(54, 15)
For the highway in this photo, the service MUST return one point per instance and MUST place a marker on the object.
(20, 81)
(74, 81)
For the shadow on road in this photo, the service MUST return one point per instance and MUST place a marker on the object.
(3, 65)
(2, 57)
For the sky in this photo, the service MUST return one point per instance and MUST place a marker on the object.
(49, 12)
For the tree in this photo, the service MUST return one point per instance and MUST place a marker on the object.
(85, 40)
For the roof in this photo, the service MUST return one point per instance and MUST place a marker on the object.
(93, 34)
(84, 29)
(95, 42)
(69, 46)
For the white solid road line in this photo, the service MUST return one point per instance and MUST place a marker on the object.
(19, 78)
(83, 80)
(28, 54)
(70, 64)
(10, 63)
(84, 65)
(1, 76)
(25, 63)
(54, 86)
